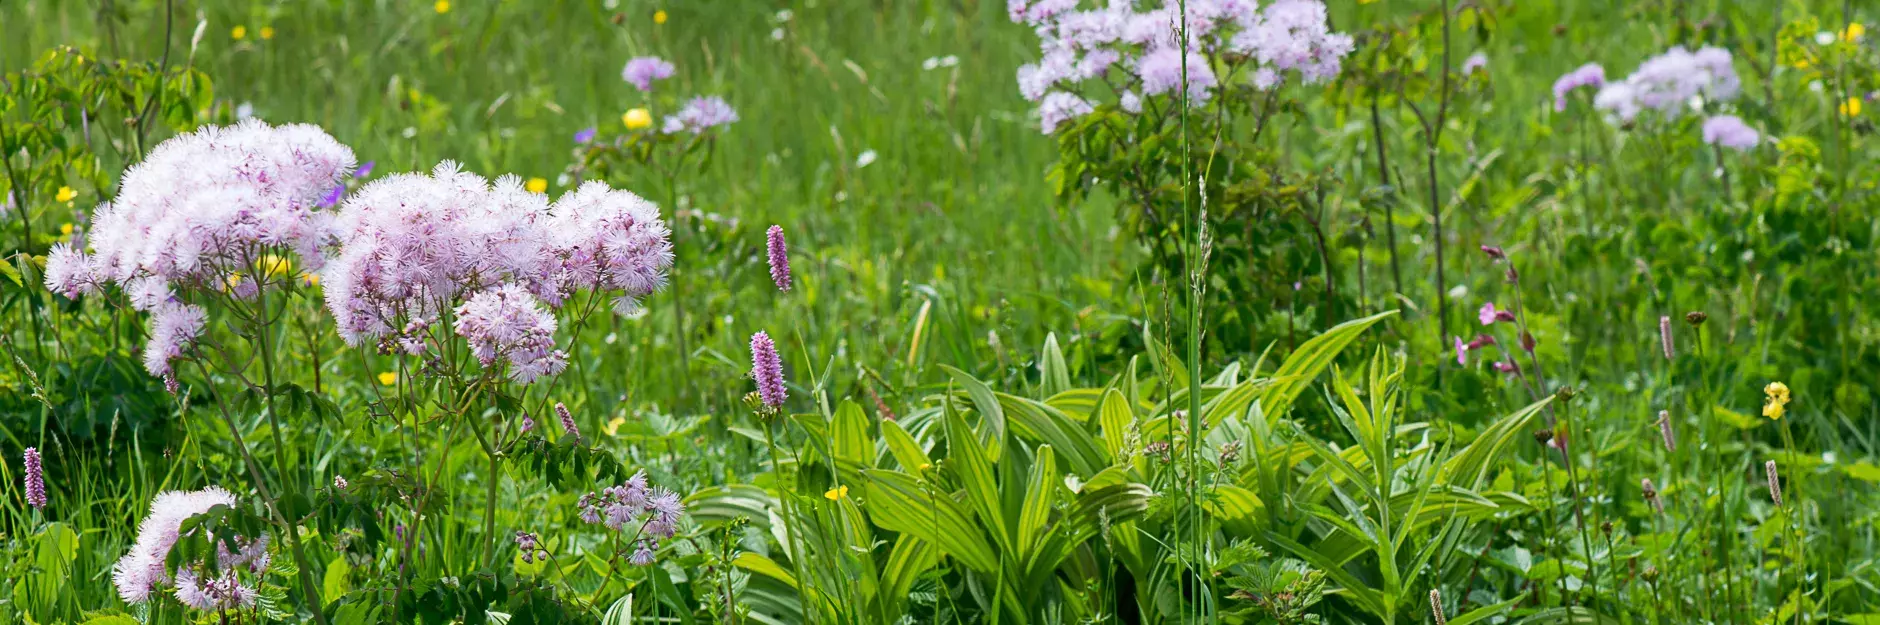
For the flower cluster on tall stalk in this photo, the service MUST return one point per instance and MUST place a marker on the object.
(229, 584)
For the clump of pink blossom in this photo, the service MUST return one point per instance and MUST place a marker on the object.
(652, 514)
(201, 214)
(508, 323)
(143, 571)
(1116, 51)
(1671, 82)
(699, 115)
(1729, 131)
(642, 71)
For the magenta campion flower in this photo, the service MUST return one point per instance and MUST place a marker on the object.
(1488, 315)
(198, 211)
(642, 71)
(35, 479)
(1590, 75)
(699, 115)
(767, 370)
(1462, 352)
(508, 323)
(1670, 82)
(142, 570)
(1059, 107)
(1729, 131)
(779, 257)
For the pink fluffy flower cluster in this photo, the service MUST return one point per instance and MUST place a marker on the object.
(1134, 55)
(202, 211)
(617, 507)
(142, 572)
(1670, 82)
(495, 256)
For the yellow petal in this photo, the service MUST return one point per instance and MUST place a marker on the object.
(637, 118)
(537, 185)
(442, 6)
(66, 194)
(238, 33)
(267, 32)
(659, 17)
(388, 378)
(836, 493)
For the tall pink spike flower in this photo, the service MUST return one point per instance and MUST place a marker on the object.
(779, 258)
(567, 421)
(767, 370)
(35, 480)
(1664, 337)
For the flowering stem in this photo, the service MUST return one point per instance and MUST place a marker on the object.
(1579, 515)
(262, 334)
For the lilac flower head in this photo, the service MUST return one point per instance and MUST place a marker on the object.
(1476, 62)
(1161, 71)
(214, 593)
(779, 257)
(699, 115)
(1670, 82)
(643, 553)
(1292, 35)
(642, 71)
(35, 480)
(510, 324)
(1589, 75)
(1729, 131)
(585, 135)
(202, 206)
(1059, 107)
(141, 571)
(613, 240)
(767, 370)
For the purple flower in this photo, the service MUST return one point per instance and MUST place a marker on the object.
(1729, 131)
(1058, 107)
(585, 135)
(1494, 253)
(567, 421)
(1507, 367)
(642, 71)
(1462, 352)
(528, 423)
(332, 197)
(767, 370)
(1289, 35)
(1488, 315)
(364, 170)
(1588, 75)
(1161, 71)
(700, 114)
(142, 571)
(1475, 62)
(1669, 82)
(643, 554)
(35, 480)
(779, 258)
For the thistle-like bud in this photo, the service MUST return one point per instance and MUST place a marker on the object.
(1696, 318)
(1543, 436)
(1775, 483)
(1436, 607)
(1651, 495)
(1494, 252)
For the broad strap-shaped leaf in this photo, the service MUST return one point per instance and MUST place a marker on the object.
(1471, 467)
(851, 442)
(1116, 417)
(909, 558)
(1487, 611)
(764, 566)
(904, 448)
(1309, 360)
(1040, 490)
(1083, 453)
(978, 477)
(901, 503)
(984, 401)
(1054, 376)
(718, 504)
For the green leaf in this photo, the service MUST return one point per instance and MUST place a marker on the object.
(764, 566)
(1054, 376)
(976, 476)
(905, 449)
(1486, 611)
(1038, 421)
(1039, 492)
(987, 404)
(338, 579)
(1471, 466)
(1116, 417)
(1306, 363)
(903, 504)
(853, 446)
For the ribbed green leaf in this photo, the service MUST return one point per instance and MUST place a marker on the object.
(1306, 363)
(984, 401)
(905, 449)
(902, 504)
(1116, 417)
(1083, 453)
(976, 475)
(1040, 490)
(851, 442)
(1053, 375)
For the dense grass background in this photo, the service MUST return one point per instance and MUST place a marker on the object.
(952, 247)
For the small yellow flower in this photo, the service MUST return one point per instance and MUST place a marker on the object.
(388, 378)
(65, 228)
(836, 493)
(925, 466)
(267, 32)
(537, 185)
(232, 281)
(1851, 108)
(442, 6)
(637, 118)
(238, 33)
(1853, 32)
(1778, 400)
(659, 17)
(66, 194)
(1800, 64)
(613, 425)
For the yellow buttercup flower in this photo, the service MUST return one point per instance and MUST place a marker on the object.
(836, 493)
(274, 265)
(1778, 400)
(66, 194)
(1853, 32)
(613, 425)
(65, 228)
(267, 32)
(659, 17)
(536, 185)
(442, 6)
(238, 33)
(637, 119)
(388, 378)
(232, 281)
(1851, 108)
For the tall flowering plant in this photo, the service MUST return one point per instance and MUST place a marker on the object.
(1110, 84)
